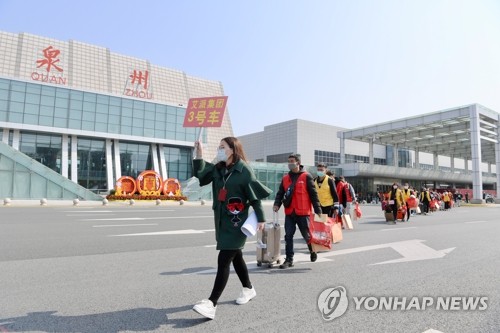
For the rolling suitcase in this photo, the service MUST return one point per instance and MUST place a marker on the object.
(389, 216)
(269, 243)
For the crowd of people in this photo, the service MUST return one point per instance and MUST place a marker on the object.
(405, 201)
(236, 189)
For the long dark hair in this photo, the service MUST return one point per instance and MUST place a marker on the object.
(238, 152)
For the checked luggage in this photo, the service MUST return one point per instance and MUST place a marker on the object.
(269, 243)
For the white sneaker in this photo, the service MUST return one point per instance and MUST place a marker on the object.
(206, 308)
(246, 295)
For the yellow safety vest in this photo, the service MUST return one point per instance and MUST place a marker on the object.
(324, 193)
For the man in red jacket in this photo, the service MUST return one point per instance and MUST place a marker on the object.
(297, 193)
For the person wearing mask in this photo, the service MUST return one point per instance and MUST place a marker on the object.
(297, 193)
(396, 200)
(406, 195)
(425, 199)
(447, 200)
(327, 192)
(235, 189)
(350, 195)
(339, 186)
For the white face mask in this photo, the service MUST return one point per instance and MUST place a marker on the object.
(406, 187)
(394, 187)
(221, 155)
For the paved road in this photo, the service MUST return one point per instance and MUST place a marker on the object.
(119, 268)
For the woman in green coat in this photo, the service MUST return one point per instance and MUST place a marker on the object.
(234, 189)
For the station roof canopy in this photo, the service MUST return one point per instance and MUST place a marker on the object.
(446, 132)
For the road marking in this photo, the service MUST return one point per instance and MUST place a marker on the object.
(89, 214)
(471, 222)
(161, 233)
(214, 245)
(146, 218)
(398, 228)
(146, 210)
(431, 330)
(88, 211)
(122, 225)
(118, 219)
(119, 211)
(411, 250)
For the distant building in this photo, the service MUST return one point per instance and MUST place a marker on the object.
(442, 157)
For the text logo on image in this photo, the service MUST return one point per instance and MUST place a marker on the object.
(332, 303)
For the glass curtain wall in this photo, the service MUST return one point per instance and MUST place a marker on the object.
(92, 164)
(179, 163)
(43, 148)
(135, 158)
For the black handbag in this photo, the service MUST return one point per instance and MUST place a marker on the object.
(287, 197)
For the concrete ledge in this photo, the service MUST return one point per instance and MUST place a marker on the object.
(476, 201)
(122, 203)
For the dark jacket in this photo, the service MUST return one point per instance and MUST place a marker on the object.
(311, 189)
(242, 188)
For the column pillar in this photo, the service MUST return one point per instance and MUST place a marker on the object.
(417, 158)
(15, 139)
(475, 136)
(163, 162)
(74, 158)
(64, 156)
(342, 147)
(118, 164)
(154, 154)
(5, 135)
(109, 165)
(435, 160)
(370, 152)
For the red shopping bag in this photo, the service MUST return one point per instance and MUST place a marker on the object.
(401, 213)
(412, 202)
(357, 211)
(321, 232)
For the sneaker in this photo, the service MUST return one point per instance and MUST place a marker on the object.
(314, 256)
(286, 264)
(246, 295)
(206, 308)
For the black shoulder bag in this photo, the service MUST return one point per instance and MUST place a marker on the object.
(287, 197)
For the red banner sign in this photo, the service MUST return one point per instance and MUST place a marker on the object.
(205, 112)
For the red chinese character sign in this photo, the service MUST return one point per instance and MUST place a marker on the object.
(205, 112)
(48, 67)
(50, 54)
(138, 84)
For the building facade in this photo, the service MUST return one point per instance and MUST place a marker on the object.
(92, 115)
(372, 167)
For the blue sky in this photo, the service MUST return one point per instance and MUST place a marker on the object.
(346, 63)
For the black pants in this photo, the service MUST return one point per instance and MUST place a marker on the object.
(223, 267)
(425, 205)
(291, 223)
(328, 210)
(395, 211)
